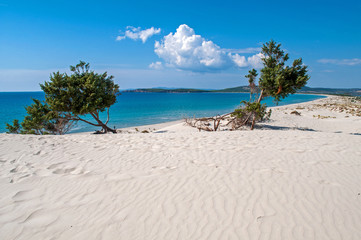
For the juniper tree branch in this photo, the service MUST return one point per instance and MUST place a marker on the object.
(107, 116)
(80, 119)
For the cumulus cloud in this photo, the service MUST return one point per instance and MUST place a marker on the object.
(187, 51)
(256, 60)
(156, 65)
(349, 62)
(137, 33)
(240, 61)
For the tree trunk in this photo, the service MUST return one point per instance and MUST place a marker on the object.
(253, 122)
(254, 116)
(101, 124)
(260, 97)
(108, 129)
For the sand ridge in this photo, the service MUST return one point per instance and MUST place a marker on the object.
(282, 181)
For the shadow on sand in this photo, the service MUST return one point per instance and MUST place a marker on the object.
(270, 127)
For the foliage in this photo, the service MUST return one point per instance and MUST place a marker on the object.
(252, 85)
(83, 92)
(15, 128)
(276, 80)
(40, 120)
(251, 110)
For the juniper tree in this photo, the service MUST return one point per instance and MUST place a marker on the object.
(276, 80)
(83, 92)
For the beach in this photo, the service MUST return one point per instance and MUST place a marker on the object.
(294, 177)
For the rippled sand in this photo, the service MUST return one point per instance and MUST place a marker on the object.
(297, 177)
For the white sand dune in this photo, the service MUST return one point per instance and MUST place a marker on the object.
(296, 178)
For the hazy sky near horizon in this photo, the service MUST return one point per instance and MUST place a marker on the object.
(195, 44)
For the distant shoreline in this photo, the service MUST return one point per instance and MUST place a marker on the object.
(240, 89)
(245, 89)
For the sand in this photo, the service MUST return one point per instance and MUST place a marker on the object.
(295, 177)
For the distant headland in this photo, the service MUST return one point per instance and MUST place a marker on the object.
(245, 89)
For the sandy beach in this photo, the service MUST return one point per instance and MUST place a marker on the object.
(294, 177)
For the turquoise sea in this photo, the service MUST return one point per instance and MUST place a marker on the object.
(134, 109)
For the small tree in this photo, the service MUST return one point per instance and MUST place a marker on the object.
(83, 92)
(276, 80)
(252, 74)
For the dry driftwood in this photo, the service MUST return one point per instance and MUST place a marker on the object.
(218, 122)
(207, 123)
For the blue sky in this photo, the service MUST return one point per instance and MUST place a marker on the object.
(200, 44)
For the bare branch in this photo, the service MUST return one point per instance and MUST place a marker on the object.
(107, 116)
(80, 119)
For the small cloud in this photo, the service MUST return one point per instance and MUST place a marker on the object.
(240, 61)
(348, 62)
(120, 38)
(136, 33)
(156, 65)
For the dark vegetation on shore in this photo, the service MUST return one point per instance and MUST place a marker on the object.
(246, 89)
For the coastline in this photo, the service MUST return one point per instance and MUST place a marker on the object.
(295, 177)
(159, 126)
(174, 124)
(140, 109)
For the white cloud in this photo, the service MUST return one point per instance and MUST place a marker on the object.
(137, 33)
(120, 38)
(256, 60)
(349, 62)
(156, 65)
(240, 61)
(187, 51)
